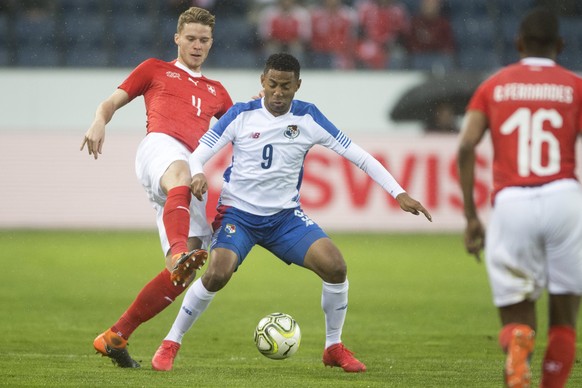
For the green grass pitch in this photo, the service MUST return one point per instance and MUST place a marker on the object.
(420, 315)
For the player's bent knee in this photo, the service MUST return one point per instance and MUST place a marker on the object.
(215, 281)
(334, 272)
(216, 277)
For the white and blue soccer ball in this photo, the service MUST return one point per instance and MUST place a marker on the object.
(277, 336)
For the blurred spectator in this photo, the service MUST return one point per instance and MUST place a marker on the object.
(36, 9)
(333, 35)
(383, 25)
(37, 34)
(220, 8)
(565, 8)
(430, 43)
(7, 6)
(284, 27)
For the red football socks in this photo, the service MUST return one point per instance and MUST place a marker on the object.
(158, 294)
(559, 358)
(177, 218)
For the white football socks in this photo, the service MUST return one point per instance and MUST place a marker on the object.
(334, 301)
(195, 301)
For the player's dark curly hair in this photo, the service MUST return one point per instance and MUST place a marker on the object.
(539, 29)
(283, 62)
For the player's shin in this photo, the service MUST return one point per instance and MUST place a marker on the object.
(559, 357)
(195, 302)
(177, 218)
(334, 301)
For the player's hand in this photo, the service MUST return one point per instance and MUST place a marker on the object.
(199, 186)
(411, 205)
(94, 138)
(474, 237)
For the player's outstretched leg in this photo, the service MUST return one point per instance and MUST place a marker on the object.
(517, 362)
(164, 358)
(339, 355)
(111, 345)
(185, 264)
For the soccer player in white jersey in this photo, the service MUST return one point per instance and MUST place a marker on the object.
(259, 202)
(180, 102)
(533, 110)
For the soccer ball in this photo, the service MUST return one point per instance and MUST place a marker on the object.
(277, 336)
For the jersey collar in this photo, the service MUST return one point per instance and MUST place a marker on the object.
(536, 61)
(192, 73)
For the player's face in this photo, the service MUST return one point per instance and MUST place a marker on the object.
(280, 88)
(194, 42)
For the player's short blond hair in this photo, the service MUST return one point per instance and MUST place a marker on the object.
(196, 15)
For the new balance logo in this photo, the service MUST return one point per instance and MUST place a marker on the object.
(186, 310)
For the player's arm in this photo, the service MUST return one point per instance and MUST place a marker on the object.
(472, 131)
(197, 160)
(378, 173)
(95, 135)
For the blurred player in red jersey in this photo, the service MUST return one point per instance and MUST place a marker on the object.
(430, 41)
(383, 24)
(284, 26)
(533, 110)
(333, 35)
(180, 102)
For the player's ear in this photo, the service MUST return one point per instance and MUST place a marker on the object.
(262, 78)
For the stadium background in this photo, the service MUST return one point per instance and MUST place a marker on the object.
(57, 66)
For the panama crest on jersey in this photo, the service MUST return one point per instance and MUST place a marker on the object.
(230, 228)
(291, 132)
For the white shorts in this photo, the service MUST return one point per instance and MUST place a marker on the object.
(154, 155)
(534, 242)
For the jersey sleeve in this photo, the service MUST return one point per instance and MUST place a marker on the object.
(226, 102)
(333, 138)
(479, 99)
(199, 157)
(373, 168)
(216, 138)
(326, 133)
(138, 80)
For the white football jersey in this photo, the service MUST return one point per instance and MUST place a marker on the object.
(269, 152)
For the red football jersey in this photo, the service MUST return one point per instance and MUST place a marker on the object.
(534, 114)
(383, 24)
(285, 26)
(178, 103)
(333, 32)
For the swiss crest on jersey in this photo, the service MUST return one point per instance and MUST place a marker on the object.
(291, 132)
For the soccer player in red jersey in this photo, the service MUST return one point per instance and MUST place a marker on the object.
(382, 24)
(533, 110)
(333, 35)
(284, 26)
(180, 102)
